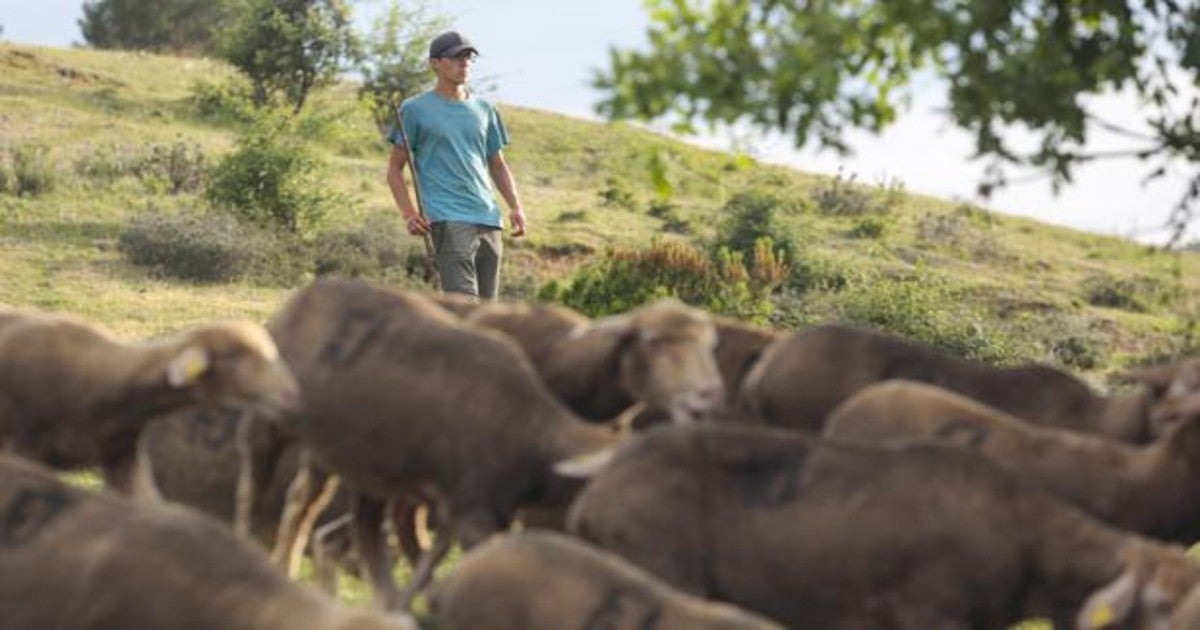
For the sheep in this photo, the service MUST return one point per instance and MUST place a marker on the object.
(659, 355)
(402, 398)
(1149, 489)
(545, 581)
(821, 535)
(87, 560)
(799, 380)
(73, 396)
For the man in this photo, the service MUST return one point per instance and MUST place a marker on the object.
(455, 139)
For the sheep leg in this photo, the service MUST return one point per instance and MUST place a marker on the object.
(300, 512)
(309, 520)
(247, 481)
(372, 551)
(404, 516)
(423, 570)
(327, 549)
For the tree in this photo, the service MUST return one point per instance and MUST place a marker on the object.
(176, 26)
(817, 68)
(289, 47)
(396, 59)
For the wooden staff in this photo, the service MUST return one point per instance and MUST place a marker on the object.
(430, 267)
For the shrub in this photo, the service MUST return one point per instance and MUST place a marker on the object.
(751, 215)
(924, 308)
(33, 172)
(226, 101)
(869, 227)
(1137, 294)
(843, 196)
(207, 248)
(668, 212)
(616, 194)
(625, 279)
(815, 272)
(378, 249)
(173, 168)
(273, 180)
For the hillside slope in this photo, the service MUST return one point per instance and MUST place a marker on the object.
(587, 188)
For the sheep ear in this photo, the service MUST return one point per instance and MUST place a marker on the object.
(585, 466)
(187, 366)
(1111, 605)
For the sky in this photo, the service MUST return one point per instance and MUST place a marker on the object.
(543, 53)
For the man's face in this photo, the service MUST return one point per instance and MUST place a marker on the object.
(454, 70)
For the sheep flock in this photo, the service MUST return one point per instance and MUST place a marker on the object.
(660, 469)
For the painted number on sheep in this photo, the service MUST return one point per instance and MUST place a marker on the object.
(27, 512)
(624, 609)
(353, 333)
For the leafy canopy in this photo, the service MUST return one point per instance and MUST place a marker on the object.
(175, 26)
(290, 47)
(816, 68)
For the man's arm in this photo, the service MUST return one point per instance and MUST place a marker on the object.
(416, 222)
(503, 178)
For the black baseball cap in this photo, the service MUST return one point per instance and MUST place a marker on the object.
(450, 44)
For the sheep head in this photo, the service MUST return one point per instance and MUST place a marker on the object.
(666, 359)
(1157, 586)
(234, 364)
(1174, 394)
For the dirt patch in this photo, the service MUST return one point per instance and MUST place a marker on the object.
(26, 60)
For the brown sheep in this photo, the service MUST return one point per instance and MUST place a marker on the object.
(660, 355)
(544, 581)
(402, 398)
(1149, 489)
(73, 396)
(802, 378)
(821, 535)
(84, 560)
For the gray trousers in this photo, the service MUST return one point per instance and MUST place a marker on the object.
(468, 258)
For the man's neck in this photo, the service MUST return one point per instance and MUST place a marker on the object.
(452, 91)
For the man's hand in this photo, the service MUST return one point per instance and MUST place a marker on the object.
(517, 217)
(417, 225)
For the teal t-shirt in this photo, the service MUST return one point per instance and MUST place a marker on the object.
(451, 142)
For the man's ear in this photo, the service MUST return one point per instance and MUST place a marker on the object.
(187, 366)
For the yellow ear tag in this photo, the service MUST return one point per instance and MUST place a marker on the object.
(1103, 616)
(187, 367)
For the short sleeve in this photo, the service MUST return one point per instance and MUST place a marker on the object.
(405, 117)
(497, 135)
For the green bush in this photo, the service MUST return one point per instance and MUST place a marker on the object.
(173, 168)
(624, 279)
(208, 248)
(8, 181)
(926, 309)
(816, 272)
(751, 215)
(616, 194)
(227, 101)
(843, 196)
(377, 249)
(1138, 294)
(668, 212)
(869, 227)
(273, 180)
(33, 171)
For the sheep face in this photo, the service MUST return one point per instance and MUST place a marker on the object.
(1155, 591)
(667, 362)
(236, 364)
(1174, 392)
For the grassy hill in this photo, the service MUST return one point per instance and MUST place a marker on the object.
(878, 254)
